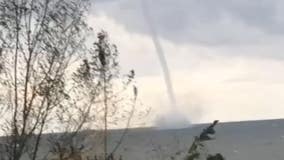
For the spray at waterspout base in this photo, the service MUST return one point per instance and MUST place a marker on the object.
(172, 120)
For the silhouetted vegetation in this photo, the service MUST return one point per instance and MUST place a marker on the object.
(53, 80)
(198, 148)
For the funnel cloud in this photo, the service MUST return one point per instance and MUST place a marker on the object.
(167, 119)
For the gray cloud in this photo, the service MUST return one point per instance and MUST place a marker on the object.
(222, 22)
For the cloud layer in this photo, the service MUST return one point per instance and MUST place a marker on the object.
(224, 22)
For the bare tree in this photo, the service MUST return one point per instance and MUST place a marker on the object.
(112, 104)
(39, 42)
(48, 73)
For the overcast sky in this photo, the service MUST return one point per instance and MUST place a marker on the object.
(225, 56)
